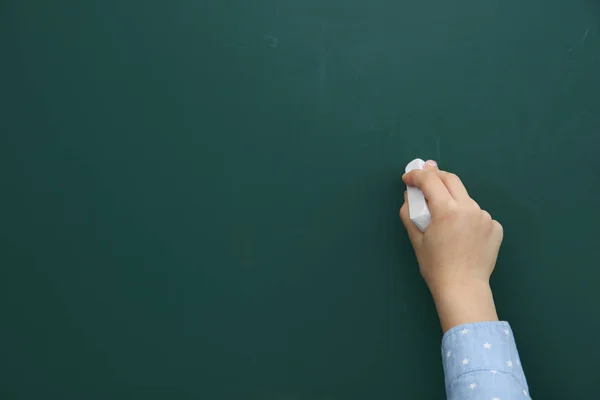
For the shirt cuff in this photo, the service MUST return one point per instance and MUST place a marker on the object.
(484, 346)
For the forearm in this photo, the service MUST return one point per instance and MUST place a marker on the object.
(464, 304)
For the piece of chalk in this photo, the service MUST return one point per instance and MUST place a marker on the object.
(418, 210)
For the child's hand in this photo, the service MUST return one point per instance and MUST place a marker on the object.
(458, 250)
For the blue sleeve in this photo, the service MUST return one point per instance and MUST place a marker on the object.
(481, 362)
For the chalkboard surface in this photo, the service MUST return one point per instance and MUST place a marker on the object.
(199, 198)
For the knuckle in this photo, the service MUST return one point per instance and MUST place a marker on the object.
(498, 229)
(498, 226)
(486, 215)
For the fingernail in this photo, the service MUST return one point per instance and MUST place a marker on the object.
(431, 163)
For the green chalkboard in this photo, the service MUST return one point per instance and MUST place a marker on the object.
(199, 198)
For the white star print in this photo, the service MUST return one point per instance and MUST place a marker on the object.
(465, 361)
(464, 331)
(518, 362)
(486, 345)
(496, 398)
(506, 332)
(448, 354)
(525, 392)
(509, 364)
(472, 386)
(494, 371)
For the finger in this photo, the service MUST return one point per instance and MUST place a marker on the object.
(454, 185)
(431, 164)
(414, 233)
(431, 185)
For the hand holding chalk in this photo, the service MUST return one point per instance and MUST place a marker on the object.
(455, 241)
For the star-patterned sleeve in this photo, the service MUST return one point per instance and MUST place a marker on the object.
(481, 362)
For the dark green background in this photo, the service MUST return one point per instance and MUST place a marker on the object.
(199, 198)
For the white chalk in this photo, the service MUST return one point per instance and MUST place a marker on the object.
(418, 210)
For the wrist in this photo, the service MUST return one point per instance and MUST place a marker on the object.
(464, 304)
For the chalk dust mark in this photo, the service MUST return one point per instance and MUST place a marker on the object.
(585, 35)
(321, 74)
(322, 67)
(272, 41)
